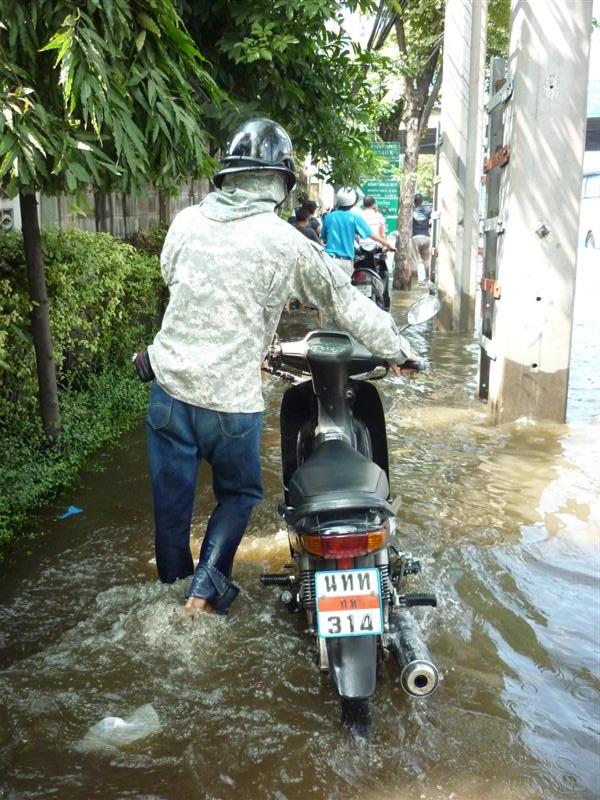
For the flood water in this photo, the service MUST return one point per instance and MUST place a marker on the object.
(505, 522)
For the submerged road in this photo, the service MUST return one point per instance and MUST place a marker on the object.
(505, 522)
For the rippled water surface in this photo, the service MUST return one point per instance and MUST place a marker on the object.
(505, 522)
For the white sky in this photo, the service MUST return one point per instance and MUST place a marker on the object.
(595, 52)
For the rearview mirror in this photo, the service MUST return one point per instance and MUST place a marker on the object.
(424, 309)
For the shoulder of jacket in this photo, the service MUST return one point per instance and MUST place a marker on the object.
(316, 246)
(185, 215)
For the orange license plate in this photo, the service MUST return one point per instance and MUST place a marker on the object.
(348, 603)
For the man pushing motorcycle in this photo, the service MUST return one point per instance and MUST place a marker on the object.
(230, 264)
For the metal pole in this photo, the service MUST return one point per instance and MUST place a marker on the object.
(460, 161)
(500, 91)
(540, 195)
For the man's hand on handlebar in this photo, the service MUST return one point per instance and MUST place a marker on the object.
(409, 367)
(383, 242)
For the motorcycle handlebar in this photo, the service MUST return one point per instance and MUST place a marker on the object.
(296, 354)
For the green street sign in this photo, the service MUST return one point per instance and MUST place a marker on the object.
(390, 152)
(386, 197)
(385, 189)
(381, 188)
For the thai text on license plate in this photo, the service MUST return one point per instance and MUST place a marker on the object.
(348, 603)
(365, 288)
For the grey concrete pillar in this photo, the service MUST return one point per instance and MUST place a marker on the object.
(461, 157)
(540, 196)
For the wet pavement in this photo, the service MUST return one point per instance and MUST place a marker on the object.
(505, 522)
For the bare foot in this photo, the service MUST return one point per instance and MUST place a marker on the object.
(195, 605)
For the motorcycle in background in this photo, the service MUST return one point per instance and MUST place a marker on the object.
(371, 276)
(348, 576)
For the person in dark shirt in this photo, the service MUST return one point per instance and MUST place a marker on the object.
(311, 207)
(420, 243)
(303, 225)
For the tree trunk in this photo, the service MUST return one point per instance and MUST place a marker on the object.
(101, 211)
(163, 208)
(111, 214)
(402, 269)
(40, 318)
(125, 214)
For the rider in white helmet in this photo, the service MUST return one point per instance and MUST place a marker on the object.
(341, 228)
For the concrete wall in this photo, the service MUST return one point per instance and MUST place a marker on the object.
(117, 214)
(539, 205)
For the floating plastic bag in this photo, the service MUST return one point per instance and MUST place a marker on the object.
(70, 512)
(113, 732)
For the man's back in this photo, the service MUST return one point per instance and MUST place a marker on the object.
(228, 273)
(374, 220)
(230, 265)
(339, 231)
(421, 217)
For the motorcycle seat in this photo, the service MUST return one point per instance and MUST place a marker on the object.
(336, 476)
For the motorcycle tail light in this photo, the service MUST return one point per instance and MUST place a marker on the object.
(344, 545)
(361, 277)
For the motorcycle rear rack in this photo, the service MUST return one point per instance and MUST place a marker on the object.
(364, 503)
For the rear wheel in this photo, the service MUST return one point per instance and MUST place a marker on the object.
(356, 715)
(590, 241)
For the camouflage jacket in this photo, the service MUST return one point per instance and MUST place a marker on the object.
(230, 264)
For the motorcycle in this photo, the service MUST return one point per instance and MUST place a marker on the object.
(370, 275)
(347, 576)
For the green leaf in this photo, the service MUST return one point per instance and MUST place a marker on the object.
(79, 172)
(7, 162)
(148, 23)
(56, 42)
(36, 143)
(140, 39)
(76, 206)
(85, 92)
(151, 91)
(20, 333)
(22, 172)
(70, 180)
(118, 137)
(8, 116)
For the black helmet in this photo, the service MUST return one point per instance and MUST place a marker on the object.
(259, 144)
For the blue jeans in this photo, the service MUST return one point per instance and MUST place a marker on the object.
(180, 436)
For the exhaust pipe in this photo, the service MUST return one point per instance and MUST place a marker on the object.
(419, 676)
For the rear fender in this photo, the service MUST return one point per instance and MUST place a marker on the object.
(353, 664)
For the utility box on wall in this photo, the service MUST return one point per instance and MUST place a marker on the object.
(10, 214)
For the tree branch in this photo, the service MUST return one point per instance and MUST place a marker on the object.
(399, 25)
(433, 95)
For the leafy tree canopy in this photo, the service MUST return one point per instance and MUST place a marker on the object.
(417, 27)
(498, 27)
(292, 61)
(99, 92)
